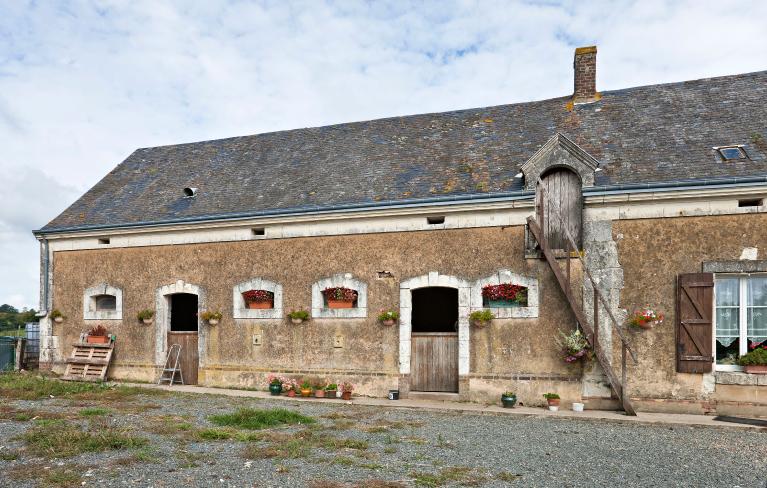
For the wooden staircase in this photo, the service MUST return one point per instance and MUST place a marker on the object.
(591, 330)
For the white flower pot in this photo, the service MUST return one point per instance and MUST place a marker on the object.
(297, 321)
(213, 321)
(147, 321)
(577, 407)
(58, 320)
(554, 408)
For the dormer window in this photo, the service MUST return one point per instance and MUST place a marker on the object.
(731, 153)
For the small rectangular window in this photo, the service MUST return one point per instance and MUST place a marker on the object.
(104, 240)
(435, 220)
(259, 231)
(753, 202)
(731, 153)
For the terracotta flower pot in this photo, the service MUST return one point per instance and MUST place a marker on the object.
(306, 392)
(388, 322)
(297, 321)
(260, 305)
(332, 303)
(291, 393)
(319, 393)
(756, 369)
(553, 403)
(347, 395)
(97, 339)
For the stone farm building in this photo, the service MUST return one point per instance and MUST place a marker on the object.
(660, 188)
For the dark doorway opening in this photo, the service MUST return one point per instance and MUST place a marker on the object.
(183, 312)
(435, 309)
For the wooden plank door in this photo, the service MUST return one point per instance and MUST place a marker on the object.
(694, 328)
(563, 198)
(189, 358)
(434, 361)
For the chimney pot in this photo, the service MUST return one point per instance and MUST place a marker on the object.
(585, 75)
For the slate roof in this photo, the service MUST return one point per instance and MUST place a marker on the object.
(650, 134)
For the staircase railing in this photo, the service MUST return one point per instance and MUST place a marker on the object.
(538, 228)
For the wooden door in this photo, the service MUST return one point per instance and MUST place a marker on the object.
(694, 328)
(189, 358)
(434, 363)
(562, 207)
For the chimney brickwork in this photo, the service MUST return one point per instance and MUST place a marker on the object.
(585, 74)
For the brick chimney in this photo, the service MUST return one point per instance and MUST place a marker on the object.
(585, 71)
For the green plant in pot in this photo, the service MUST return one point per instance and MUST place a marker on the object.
(146, 316)
(298, 316)
(552, 399)
(319, 390)
(480, 318)
(331, 390)
(755, 362)
(57, 316)
(306, 388)
(508, 399)
(275, 384)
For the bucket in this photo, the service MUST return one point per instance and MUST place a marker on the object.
(577, 407)
(393, 394)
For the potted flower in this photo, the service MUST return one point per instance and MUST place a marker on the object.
(508, 399)
(330, 390)
(340, 297)
(97, 335)
(146, 316)
(645, 319)
(211, 318)
(57, 316)
(480, 318)
(275, 384)
(505, 295)
(755, 362)
(289, 386)
(552, 399)
(388, 317)
(258, 299)
(319, 390)
(298, 316)
(346, 390)
(306, 389)
(574, 345)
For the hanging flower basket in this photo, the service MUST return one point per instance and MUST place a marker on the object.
(481, 318)
(298, 316)
(645, 319)
(340, 297)
(574, 345)
(388, 317)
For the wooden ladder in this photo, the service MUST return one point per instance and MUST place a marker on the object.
(564, 279)
(89, 362)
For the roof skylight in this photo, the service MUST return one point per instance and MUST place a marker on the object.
(731, 153)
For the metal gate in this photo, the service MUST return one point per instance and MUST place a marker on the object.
(32, 347)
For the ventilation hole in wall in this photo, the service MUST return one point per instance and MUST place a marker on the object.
(189, 192)
(435, 220)
(751, 202)
(259, 231)
(104, 240)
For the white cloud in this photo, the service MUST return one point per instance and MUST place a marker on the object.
(83, 84)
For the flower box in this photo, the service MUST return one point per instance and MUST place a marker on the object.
(260, 305)
(97, 339)
(502, 303)
(756, 368)
(340, 303)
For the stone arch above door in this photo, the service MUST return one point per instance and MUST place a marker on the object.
(433, 278)
(560, 152)
(162, 318)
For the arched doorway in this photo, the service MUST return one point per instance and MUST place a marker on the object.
(434, 362)
(178, 322)
(562, 204)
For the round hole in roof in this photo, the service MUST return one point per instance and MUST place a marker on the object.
(189, 192)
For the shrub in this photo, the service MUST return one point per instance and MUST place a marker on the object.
(481, 316)
(298, 314)
(757, 357)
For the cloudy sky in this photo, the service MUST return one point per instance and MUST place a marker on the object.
(83, 84)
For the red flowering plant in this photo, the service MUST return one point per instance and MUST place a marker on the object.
(646, 318)
(255, 296)
(506, 291)
(340, 293)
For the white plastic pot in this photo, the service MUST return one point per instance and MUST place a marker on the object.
(554, 408)
(577, 407)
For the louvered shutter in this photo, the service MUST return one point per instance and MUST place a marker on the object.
(694, 326)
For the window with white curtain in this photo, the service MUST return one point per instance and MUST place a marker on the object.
(740, 320)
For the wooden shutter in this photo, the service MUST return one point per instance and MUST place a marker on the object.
(694, 327)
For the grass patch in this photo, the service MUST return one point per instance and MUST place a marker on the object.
(253, 419)
(507, 476)
(94, 412)
(213, 434)
(57, 476)
(8, 455)
(55, 438)
(292, 449)
(462, 475)
(26, 386)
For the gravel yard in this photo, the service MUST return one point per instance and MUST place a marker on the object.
(122, 437)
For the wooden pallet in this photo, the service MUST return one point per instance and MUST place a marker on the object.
(89, 362)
